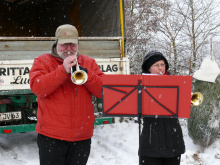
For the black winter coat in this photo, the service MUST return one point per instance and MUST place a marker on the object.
(161, 137)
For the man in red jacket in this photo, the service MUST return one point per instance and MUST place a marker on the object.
(65, 117)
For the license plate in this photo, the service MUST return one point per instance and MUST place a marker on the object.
(10, 116)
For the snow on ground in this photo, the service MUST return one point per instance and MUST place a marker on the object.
(113, 144)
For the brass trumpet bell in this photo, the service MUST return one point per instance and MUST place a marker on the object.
(78, 77)
(196, 98)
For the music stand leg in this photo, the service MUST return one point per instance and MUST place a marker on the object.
(140, 87)
(139, 122)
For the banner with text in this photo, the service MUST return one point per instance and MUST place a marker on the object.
(15, 74)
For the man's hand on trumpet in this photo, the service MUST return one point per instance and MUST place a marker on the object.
(68, 62)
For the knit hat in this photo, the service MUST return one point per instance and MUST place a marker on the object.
(66, 34)
(151, 58)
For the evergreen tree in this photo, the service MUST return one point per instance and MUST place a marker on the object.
(204, 121)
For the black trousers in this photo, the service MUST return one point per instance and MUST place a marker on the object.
(60, 152)
(160, 161)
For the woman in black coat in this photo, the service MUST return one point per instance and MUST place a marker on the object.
(161, 141)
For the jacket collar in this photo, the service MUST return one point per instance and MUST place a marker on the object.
(54, 51)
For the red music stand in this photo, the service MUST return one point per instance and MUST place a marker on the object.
(159, 96)
(150, 95)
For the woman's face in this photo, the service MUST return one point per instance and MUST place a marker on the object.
(158, 68)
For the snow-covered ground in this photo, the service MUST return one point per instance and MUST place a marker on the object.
(113, 144)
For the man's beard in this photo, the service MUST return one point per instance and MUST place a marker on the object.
(70, 53)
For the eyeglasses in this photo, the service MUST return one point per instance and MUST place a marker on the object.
(158, 65)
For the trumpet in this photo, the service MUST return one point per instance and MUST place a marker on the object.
(196, 98)
(78, 77)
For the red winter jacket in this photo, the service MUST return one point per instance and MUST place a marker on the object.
(65, 110)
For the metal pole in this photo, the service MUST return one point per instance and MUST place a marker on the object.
(139, 112)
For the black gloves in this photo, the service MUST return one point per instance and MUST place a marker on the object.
(80, 67)
(84, 69)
